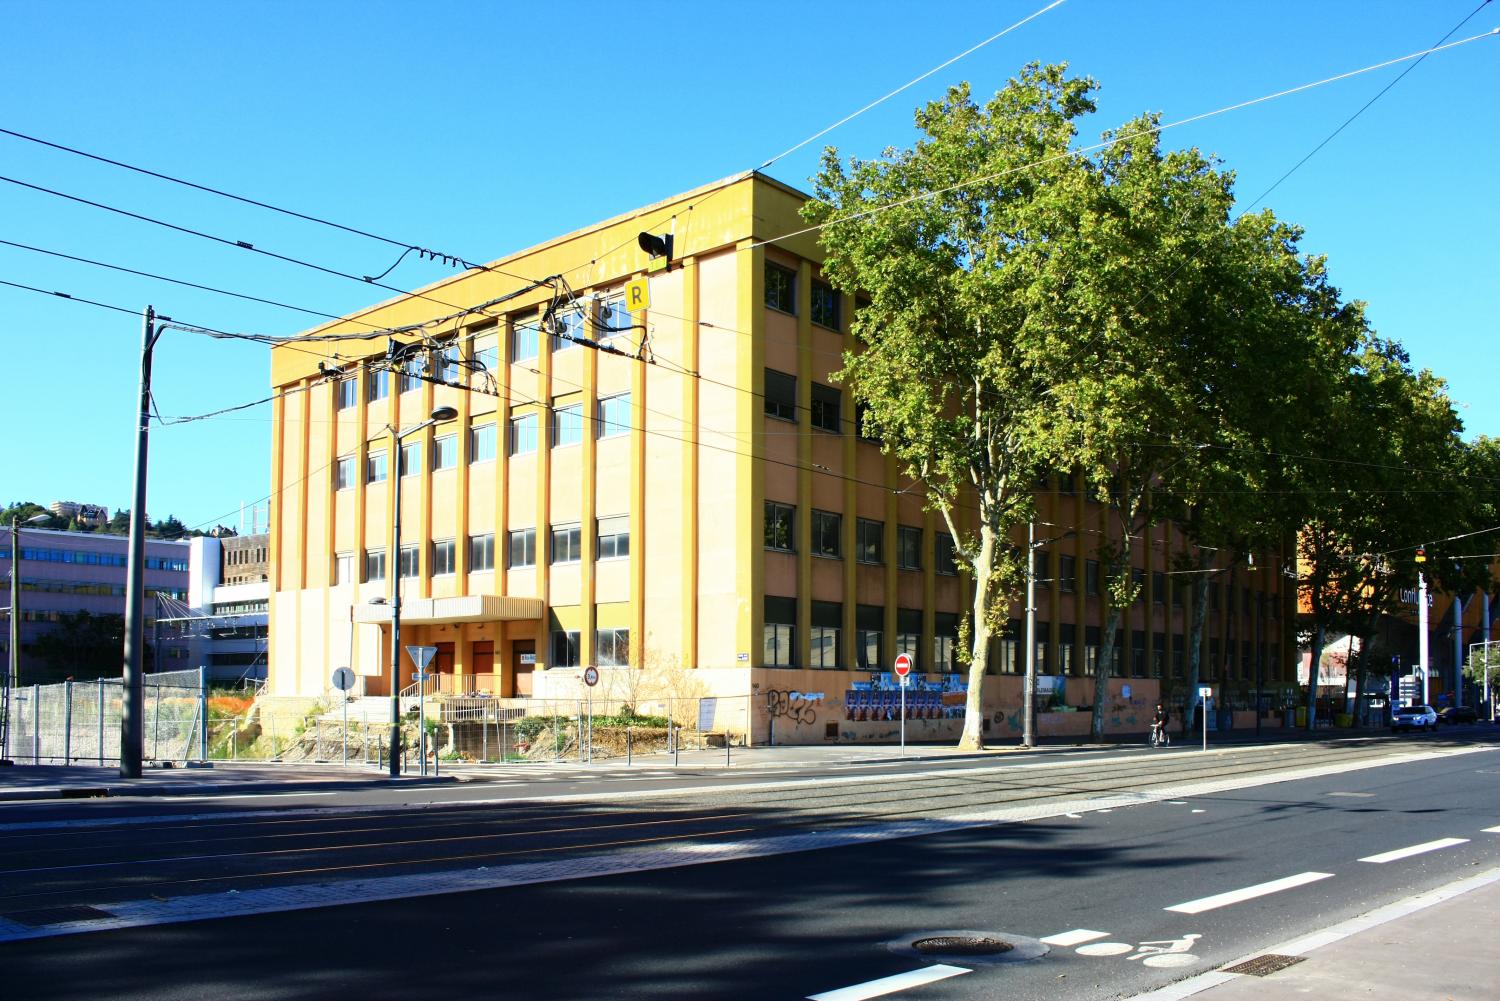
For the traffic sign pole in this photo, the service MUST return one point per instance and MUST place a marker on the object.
(903, 668)
(1204, 694)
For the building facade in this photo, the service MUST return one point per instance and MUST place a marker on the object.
(673, 482)
(68, 572)
(226, 614)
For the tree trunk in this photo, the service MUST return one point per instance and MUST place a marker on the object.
(1312, 677)
(1107, 646)
(1195, 636)
(972, 738)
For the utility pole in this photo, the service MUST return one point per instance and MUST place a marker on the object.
(132, 701)
(1422, 632)
(1028, 688)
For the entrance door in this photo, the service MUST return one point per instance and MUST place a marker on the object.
(442, 665)
(482, 664)
(523, 663)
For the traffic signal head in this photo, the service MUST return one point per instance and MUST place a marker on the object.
(1421, 554)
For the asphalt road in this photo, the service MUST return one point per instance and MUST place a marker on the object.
(786, 923)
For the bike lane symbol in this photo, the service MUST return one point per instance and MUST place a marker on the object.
(1160, 953)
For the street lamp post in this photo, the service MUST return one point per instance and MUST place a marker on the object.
(1485, 645)
(13, 672)
(393, 567)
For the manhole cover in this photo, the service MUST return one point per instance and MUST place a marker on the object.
(1264, 966)
(961, 945)
(980, 948)
(57, 915)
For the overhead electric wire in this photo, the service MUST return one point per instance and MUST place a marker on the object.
(1116, 140)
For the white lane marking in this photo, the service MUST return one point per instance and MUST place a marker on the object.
(1177, 802)
(1077, 936)
(1492, 830)
(890, 985)
(1354, 795)
(1248, 893)
(1200, 811)
(1079, 816)
(1300, 946)
(1426, 846)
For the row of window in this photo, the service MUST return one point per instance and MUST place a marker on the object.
(869, 539)
(567, 429)
(825, 406)
(94, 559)
(825, 631)
(447, 363)
(611, 542)
(1093, 583)
(611, 648)
(96, 588)
(781, 294)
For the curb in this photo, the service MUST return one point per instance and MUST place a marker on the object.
(188, 789)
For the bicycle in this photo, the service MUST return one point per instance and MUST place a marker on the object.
(1159, 736)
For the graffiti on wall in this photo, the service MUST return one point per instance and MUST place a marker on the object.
(795, 707)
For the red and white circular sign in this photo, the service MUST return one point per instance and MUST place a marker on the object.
(903, 664)
(591, 676)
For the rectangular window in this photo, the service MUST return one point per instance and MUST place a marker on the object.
(1158, 589)
(346, 393)
(827, 617)
(1178, 593)
(374, 564)
(614, 415)
(567, 425)
(343, 568)
(523, 548)
(612, 647)
(486, 355)
(445, 366)
(614, 537)
(779, 648)
(826, 528)
(869, 541)
(781, 527)
(869, 620)
(411, 375)
(825, 305)
(375, 467)
(1138, 582)
(781, 395)
(908, 547)
(1091, 576)
(523, 434)
(781, 288)
(1067, 573)
(943, 561)
(444, 557)
(410, 561)
(524, 340)
(568, 328)
(445, 452)
(825, 408)
(567, 544)
(863, 425)
(1158, 654)
(481, 553)
(377, 384)
(411, 458)
(564, 649)
(944, 642)
(482, 443)
(614, 318)
(1041, 566)
(343, 472)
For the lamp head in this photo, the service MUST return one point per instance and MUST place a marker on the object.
(444, 414)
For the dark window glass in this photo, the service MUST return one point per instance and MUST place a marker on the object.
(781, 288)
(908, 547)
(943, 555)
(781, 527)
(869, 541)
(523, 547)
(567, 544)
(564, 649)
(825, 305)
(826, 408)
(481, 553)
(781, 395)
(826, 527)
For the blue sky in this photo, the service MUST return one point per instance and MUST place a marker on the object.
(482, 128)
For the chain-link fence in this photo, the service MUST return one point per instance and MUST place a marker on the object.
(79, 721)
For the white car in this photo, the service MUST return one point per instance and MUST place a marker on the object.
(1414, 718)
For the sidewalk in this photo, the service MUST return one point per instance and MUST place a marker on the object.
(1438, 945)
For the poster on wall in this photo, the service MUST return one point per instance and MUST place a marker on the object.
(927, 697)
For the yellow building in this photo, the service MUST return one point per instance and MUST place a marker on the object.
(685, 489)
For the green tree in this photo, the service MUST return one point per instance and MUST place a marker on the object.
(963, 279)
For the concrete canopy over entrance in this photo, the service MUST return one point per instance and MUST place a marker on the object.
(442, 611)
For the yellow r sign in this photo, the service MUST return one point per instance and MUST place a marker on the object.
(637, 294)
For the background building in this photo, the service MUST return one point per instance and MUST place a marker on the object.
(693, 496)
(69, 572)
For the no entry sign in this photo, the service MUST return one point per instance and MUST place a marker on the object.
(903, 664)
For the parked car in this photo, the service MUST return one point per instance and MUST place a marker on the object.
(1414, 718)
(1458, 714)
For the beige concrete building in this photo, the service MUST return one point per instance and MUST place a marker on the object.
(650, 468)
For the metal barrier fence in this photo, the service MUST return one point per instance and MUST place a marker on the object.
(79, 721)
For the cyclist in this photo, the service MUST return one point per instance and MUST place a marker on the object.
(1159, 725)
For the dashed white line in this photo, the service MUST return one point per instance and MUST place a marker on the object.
(1408, 852)
(1492, 830)
(890, 985)
(1248, 893)
(1077, 936)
